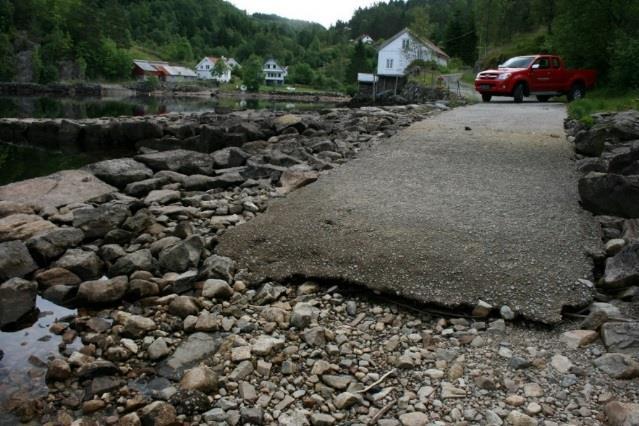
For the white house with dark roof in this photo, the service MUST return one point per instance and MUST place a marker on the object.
(397, 53)
(274, 74)
(205, 68)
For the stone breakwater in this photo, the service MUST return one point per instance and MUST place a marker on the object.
(176, 334)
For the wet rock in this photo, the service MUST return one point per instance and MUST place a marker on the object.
(119, 172)
(199, 378)
(17, 298)
(622, 270)
(93, 405)
(103, 384)
(96, 222)
(618, 366)
(621, 337)
(622, 414)
(22, 227)
(103, 291)
(61, 294)
(53, 243)
(217, 289)
(218, 267)
(85, 264)
(97, 368)
(183, 255)
(610, 194)
(195, 348)
(58, 370)
(141, 260)
(190, 402)
(158, 413)
(181, 161)
(15, 260)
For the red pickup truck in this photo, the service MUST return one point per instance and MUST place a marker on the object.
(544, 76)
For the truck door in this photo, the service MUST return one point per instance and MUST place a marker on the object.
(559, 76)
(540, 75)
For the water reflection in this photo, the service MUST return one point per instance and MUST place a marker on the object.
(78, 108)
(25, 354)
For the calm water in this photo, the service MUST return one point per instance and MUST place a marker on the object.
(74, 108)
(24, 162)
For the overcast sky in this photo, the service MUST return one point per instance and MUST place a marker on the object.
(326, 12)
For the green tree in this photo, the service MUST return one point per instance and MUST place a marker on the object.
(220, 68)
(358, 62)
(301, 73)
(7, 59)
(253, 76)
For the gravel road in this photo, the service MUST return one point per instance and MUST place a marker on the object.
(476, 203)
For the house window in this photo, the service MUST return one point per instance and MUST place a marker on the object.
(389, 63)
(405, 43)
(207, 67)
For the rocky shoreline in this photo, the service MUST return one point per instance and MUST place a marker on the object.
(171, 333)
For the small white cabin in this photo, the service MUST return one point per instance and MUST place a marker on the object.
(397, 53)
(274, 74)
(206, 69)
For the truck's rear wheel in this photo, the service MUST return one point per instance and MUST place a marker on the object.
(518, 93)
(577, 91)
(486, 98)
(543, 98)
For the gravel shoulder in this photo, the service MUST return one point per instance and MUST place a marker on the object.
(442, 214)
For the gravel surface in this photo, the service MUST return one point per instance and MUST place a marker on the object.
(476, 203)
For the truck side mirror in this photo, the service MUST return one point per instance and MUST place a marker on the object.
(536, 66)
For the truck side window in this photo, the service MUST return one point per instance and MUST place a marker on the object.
(543, 63)
(555, 62)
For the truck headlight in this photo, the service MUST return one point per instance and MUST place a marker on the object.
(504, 76)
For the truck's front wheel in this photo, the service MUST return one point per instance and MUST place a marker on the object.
(577, 91)
(486, 98)
(518, 93)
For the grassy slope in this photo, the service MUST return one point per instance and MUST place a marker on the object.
(603, 100)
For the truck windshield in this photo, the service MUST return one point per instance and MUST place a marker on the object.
(518, 62)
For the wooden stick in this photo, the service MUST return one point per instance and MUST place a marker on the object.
(381, 379)
(381, 413)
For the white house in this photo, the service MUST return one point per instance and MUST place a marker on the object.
(205, 69)
(397, 53)
(365, 38)
(274, 74)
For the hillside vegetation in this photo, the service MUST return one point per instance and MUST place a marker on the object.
(98, 38)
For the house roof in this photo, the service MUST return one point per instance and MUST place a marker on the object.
(425, 42)
(149, 66)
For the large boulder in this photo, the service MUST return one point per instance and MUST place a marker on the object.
(179, 160)
(622, 414)
(103, 291)
(610, 194)
(53, 243)
(622, 270)
(143, 187)
(624, 159)
(96, 222)
(205, 183)
(621, 337)
(17, 298)
(141, 260)
(120, 172)
(618, 366)
(229, 157)
(134, 131)
(85, 264)
(22, 226)
(183, 255)
(289, 120)
(56, 190)
(609, 128)
(15, 260)
(8, 208)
